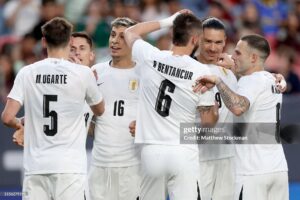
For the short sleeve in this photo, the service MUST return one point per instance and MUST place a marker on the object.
(142, 50)
(17, 91)
(249, 87)
(93, 95)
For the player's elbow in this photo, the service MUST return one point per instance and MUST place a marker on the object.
(6, 118)
(209, 122)
(98, 109)
(237, 112)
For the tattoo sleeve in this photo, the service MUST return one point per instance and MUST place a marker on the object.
(234, 102)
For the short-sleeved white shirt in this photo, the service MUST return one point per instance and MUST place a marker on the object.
(54, 93)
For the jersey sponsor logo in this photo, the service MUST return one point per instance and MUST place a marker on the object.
(133, 85)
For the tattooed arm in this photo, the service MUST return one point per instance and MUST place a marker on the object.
(236, 103)
(209, 115)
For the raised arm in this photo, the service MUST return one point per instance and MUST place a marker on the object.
(137, 31)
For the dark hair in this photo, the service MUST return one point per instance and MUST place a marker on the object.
(84, 35)
(259, 43)
(184, 26)
(46, 2)
(213, 23)
(57, 32)
(123, 21)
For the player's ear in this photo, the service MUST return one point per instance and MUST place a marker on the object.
(92, 56)
(254, 57)
(195, 40)
(44, 42)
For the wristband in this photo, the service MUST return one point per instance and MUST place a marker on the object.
(168, 22)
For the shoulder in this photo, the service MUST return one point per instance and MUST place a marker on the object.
(140, 46)
(255, 80)
(101, 66)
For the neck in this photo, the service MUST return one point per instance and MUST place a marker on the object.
(61, 53)
(181, 50)
(256, 68)
(122, 63)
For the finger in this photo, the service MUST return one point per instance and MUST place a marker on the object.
(203, 89)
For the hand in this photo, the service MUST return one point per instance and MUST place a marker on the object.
(183, 11)
(18, 136)
(132, 128)
(226, 61)
(280, 82)
(168, 22)
(74, 59)
(205, 83)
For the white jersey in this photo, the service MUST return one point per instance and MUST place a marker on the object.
(113, 144)
(54, 92)
(252, 159)
(166, 96)
(219, 151)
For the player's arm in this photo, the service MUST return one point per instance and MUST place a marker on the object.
(9, 113)
(137, 31)
(236, 103)
(91, 130)
(209, 115)
(98, 109)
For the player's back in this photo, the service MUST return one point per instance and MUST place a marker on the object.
(55, 134)
(166, 96)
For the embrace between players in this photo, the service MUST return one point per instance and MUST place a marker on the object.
(153, 164)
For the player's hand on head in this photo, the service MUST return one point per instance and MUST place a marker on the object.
(132, 128)
(18, 136)
(204, 83)
(185, 11)
(280, 82)
(225, 60)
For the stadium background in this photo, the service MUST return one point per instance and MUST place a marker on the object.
(20, 22)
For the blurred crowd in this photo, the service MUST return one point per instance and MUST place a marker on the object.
(21, 20)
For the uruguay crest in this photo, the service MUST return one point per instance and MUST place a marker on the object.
(133, 85)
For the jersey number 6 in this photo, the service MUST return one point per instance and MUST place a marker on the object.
(163, 101)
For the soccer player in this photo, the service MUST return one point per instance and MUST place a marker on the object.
(217, 171)
(53, 92)
(81, 52)
(261, 168)
(166, 101)
(115, 166)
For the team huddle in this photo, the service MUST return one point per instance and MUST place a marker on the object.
(134, 105)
